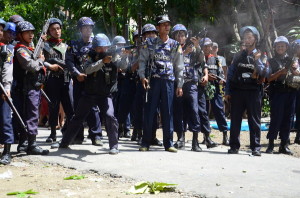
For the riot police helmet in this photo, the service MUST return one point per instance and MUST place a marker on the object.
(16, 18)
(177, 28)
(24, 26)
(85, 21)
(3, 23)
(10, 26)
(162, 19)
(118, 40)
(100, 40)
(55, 21)
(206, 41)
(251, 29)
(148, 28)
(282, 39)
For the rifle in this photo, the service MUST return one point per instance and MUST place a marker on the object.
(57, 61)
(9, 101)
(40, 45)
(200, 34)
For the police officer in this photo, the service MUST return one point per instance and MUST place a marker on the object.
(101, 76)
(296, 53)
(148, 31)
(28, 76)
(119, 42)
(215, 70)
(15, 19)
(6, 76)
(58, 82)
(244, 90)
(282, 97)
(186, 107)
(166, 67)
(9, 32)
(75, 55)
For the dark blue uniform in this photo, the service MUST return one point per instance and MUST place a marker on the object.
(76, 54)
(167, 63)
(246, 94)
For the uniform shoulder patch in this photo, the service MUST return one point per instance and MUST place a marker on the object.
(24, 53)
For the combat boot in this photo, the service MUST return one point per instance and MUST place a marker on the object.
(270, 146)
(52, 137)
(225, 139)
(195, 143)
(284, 149)
(134, 135)
(155, 141)
(297, 139)
(209, 143)
(121, 131)
(6, 156)
(180, 143)
(22, 146)
(33, 148)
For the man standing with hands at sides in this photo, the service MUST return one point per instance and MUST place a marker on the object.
(244, 90)
(163, 58)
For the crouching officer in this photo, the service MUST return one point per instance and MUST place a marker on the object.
(28, 76)
(244, 89)
(58, 81)
(166, 66)
(101, 76)
(6, 76)
(282, 96)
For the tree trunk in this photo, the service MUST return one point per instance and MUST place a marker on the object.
(112, 9)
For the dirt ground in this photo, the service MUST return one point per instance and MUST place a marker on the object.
(48, 180)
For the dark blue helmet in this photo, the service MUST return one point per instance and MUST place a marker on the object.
(118, 40)
(16, 19)
(10, 26)
(251, 29)
(135, 33)
(2, 22)
(148, 28)
(24, 26)
(54, 21)
(296, 45)
(179, 27)
(162, 19)
(85, 21)
(100, 40)
(207, 41)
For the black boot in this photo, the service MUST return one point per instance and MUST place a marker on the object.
(139, 136)
(134, 135)
(33, 148)
(121, 130)
(284, 149)
(270, 146)
(225, 139)
(52, 137)
(180, 143)
(22, 146)
(6, 156)
(297, 139)
(195, 143)
(155, 141)
(209, 142)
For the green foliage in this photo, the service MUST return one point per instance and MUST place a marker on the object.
(266, 107)
(210, 91)
(23, 194)
(294, 32)
(74, 177)
(151, 187)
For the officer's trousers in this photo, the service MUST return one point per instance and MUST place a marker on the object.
(204, 119)
(6, 129)
(59, 92)
(105, 105)
(160, 95)
(93, 118)
(282, 113)
(186, 109)
(297, 111)
(242, 100)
